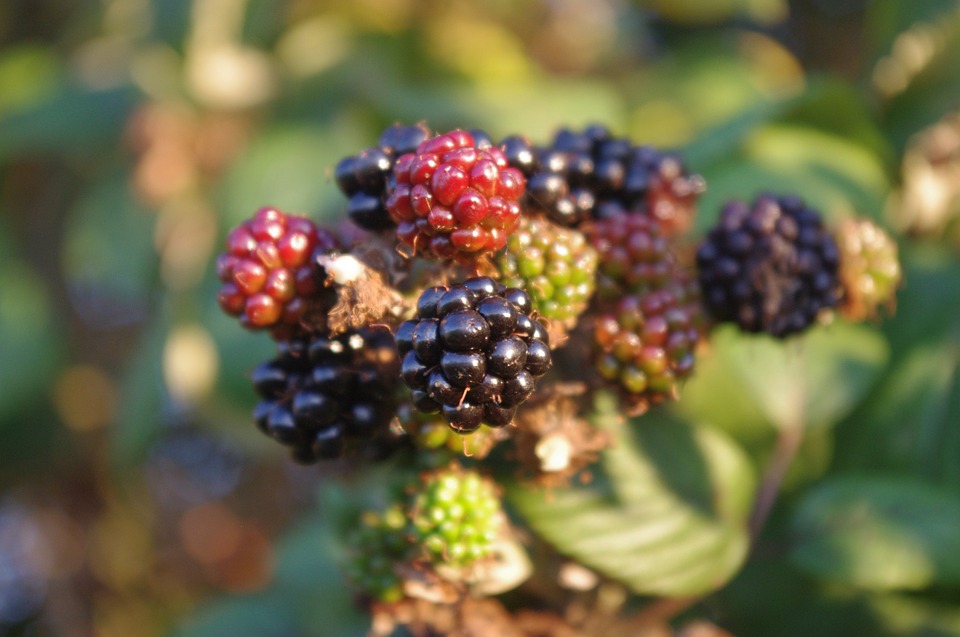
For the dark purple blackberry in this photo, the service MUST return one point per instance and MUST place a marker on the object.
(472, 352)
(591, 173)
(329, 397)
(770, 267)
(364, 177)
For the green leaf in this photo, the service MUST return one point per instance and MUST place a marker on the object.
(833, 174)
(74, 121)
(879, 533)
(910, 424)
(28, 339)
(665, 513)
(815, 378)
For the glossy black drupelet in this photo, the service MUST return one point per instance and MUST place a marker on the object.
(364, 177)
(592, 174)
(770, 267)
(472, 353)
(328, 397)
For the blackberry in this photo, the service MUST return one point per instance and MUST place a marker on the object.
(869, 269)
(770, 267)
(268, 280)
(454, 198)
(555, 264)
(645, 346)
(430, 432)
(325, 397)
(373, 549)
(592, 174)
(456, 517)
(365, 177)
(472, 353)
(635, 256)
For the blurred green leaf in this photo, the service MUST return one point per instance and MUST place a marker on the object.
(830, 173)
(73, 122)
(879, 533)
(28, 338)
(28, 74)
(666, 513)
(143, 400)
(307, 596)
(814, 379)
(108, 247)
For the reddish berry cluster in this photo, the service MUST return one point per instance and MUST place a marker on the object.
(635, 256)
(455, 199)
(268, 280)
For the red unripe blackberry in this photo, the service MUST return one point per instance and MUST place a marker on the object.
(645, 346)
(365, 177)
(454, 198)
(555, 264)
(324, 397)
(635, 256)
(268, 281)
(769, 267)
(472, 353)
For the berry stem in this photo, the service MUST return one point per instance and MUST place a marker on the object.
(787, 445)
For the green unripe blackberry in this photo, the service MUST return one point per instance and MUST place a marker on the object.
(769, 267)
(645, 346)
(869, 269)
(555, 265)
(456, 517)
(377, 544)
(635, 255)
(431, 433)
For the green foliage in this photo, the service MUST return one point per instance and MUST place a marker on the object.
(665, 514)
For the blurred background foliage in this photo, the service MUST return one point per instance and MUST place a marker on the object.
(136, 497)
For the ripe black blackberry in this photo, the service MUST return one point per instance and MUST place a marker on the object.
(591, 173)
(326, 397)
(770, 267)
(365, 177)
(472, 353)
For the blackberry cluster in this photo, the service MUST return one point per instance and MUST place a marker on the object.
(456, 517)
(377, 544)
(635, 256)
(592, 174)
(646, 345)
(455, 198)
(365, 177)
(268, 279)
(869, 268)
(327, 396)
(556, 266)
(770, 267)
(473, 352)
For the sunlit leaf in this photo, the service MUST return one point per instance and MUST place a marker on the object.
(814, 379)
(664, 515)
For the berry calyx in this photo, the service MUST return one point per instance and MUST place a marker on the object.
(454, 198)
